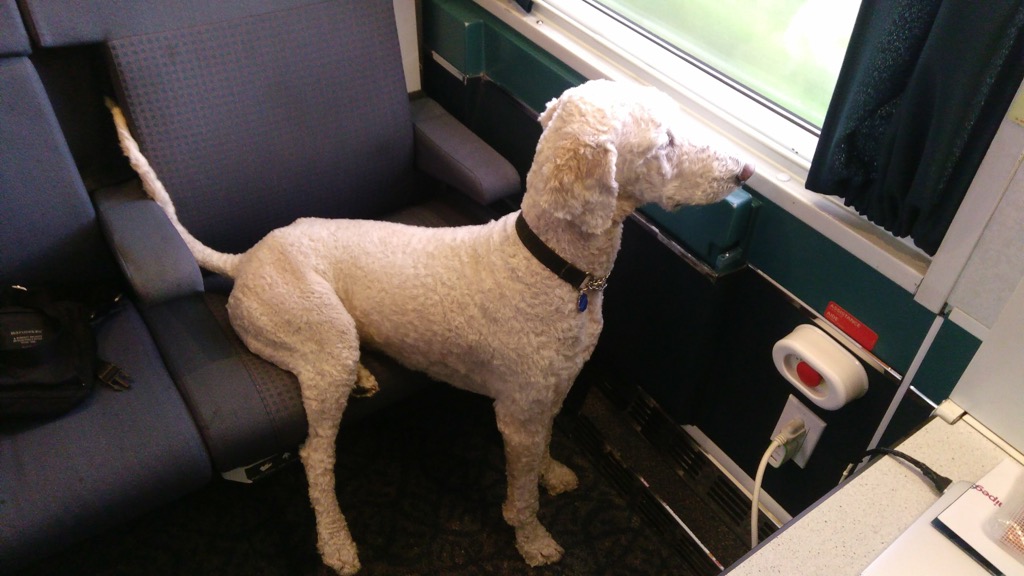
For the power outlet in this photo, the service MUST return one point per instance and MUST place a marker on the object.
(813, 424)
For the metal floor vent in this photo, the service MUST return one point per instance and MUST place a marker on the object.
(641, 499)
(693, 465)
(686, 465)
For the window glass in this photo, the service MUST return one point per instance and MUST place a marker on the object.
(787, 52)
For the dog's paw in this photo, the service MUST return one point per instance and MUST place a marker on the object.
(558, 478)
(366, 383)
(342, 564)
(341, 556)
(536, 545)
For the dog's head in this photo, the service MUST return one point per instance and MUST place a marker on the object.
(608, 147)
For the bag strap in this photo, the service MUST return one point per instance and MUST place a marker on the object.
(113, 376)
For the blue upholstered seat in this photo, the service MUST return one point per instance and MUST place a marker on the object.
(255, 114)
(116, 455)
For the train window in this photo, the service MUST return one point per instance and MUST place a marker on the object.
(760, 73)
(784, 53)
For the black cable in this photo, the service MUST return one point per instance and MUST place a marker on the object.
(938, 480)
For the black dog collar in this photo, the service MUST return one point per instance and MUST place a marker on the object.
(562, 268)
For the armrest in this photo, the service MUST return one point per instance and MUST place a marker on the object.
(149, 250)
(450, 152)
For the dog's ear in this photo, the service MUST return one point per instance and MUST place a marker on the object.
(574, 168)
(549, 112)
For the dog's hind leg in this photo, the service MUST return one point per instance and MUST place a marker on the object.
(526, 434)
(324, 407)
(316, 339)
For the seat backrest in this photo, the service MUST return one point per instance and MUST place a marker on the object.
(13, 39)
(253, 122)
(48, 230)
(59, 23)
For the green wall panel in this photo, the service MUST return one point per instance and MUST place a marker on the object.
(947, 358)
(477, 43)
(531, 74)
(455, 31)
(818, 271)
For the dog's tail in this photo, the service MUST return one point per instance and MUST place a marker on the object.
(208, 258)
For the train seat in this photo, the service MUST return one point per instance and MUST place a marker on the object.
(117, 454)
(253, 115)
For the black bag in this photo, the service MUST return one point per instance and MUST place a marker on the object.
(48, 361)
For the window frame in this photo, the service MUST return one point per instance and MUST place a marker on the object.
(580, 35)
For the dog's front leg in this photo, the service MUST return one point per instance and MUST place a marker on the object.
(557, 477)
(526, 438)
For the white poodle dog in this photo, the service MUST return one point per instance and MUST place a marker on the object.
(510, 309)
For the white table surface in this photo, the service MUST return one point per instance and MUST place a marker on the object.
(842, 534)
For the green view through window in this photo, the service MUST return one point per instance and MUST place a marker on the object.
(786, 51)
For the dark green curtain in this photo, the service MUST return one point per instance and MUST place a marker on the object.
(923, 88)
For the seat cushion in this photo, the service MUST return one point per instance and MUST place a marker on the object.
(257, 121)
(280, 389)
(241, 420)
(446, 208)
(248, 409)
(112, 458)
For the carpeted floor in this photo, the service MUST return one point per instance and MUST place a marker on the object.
(421, 486)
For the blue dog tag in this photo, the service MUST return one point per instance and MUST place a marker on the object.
(581, 302)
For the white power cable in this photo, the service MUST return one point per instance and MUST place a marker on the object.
(754, 504)
(790, 438)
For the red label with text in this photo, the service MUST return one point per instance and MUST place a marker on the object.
(853, 328)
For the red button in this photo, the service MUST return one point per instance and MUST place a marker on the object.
(809, 376)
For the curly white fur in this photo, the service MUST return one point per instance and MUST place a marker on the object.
(470, 305)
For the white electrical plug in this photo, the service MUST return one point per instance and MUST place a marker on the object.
(791, 439)
(814, 425)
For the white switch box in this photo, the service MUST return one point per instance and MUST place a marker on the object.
(814, 425)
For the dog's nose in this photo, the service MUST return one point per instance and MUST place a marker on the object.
(746, 173)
